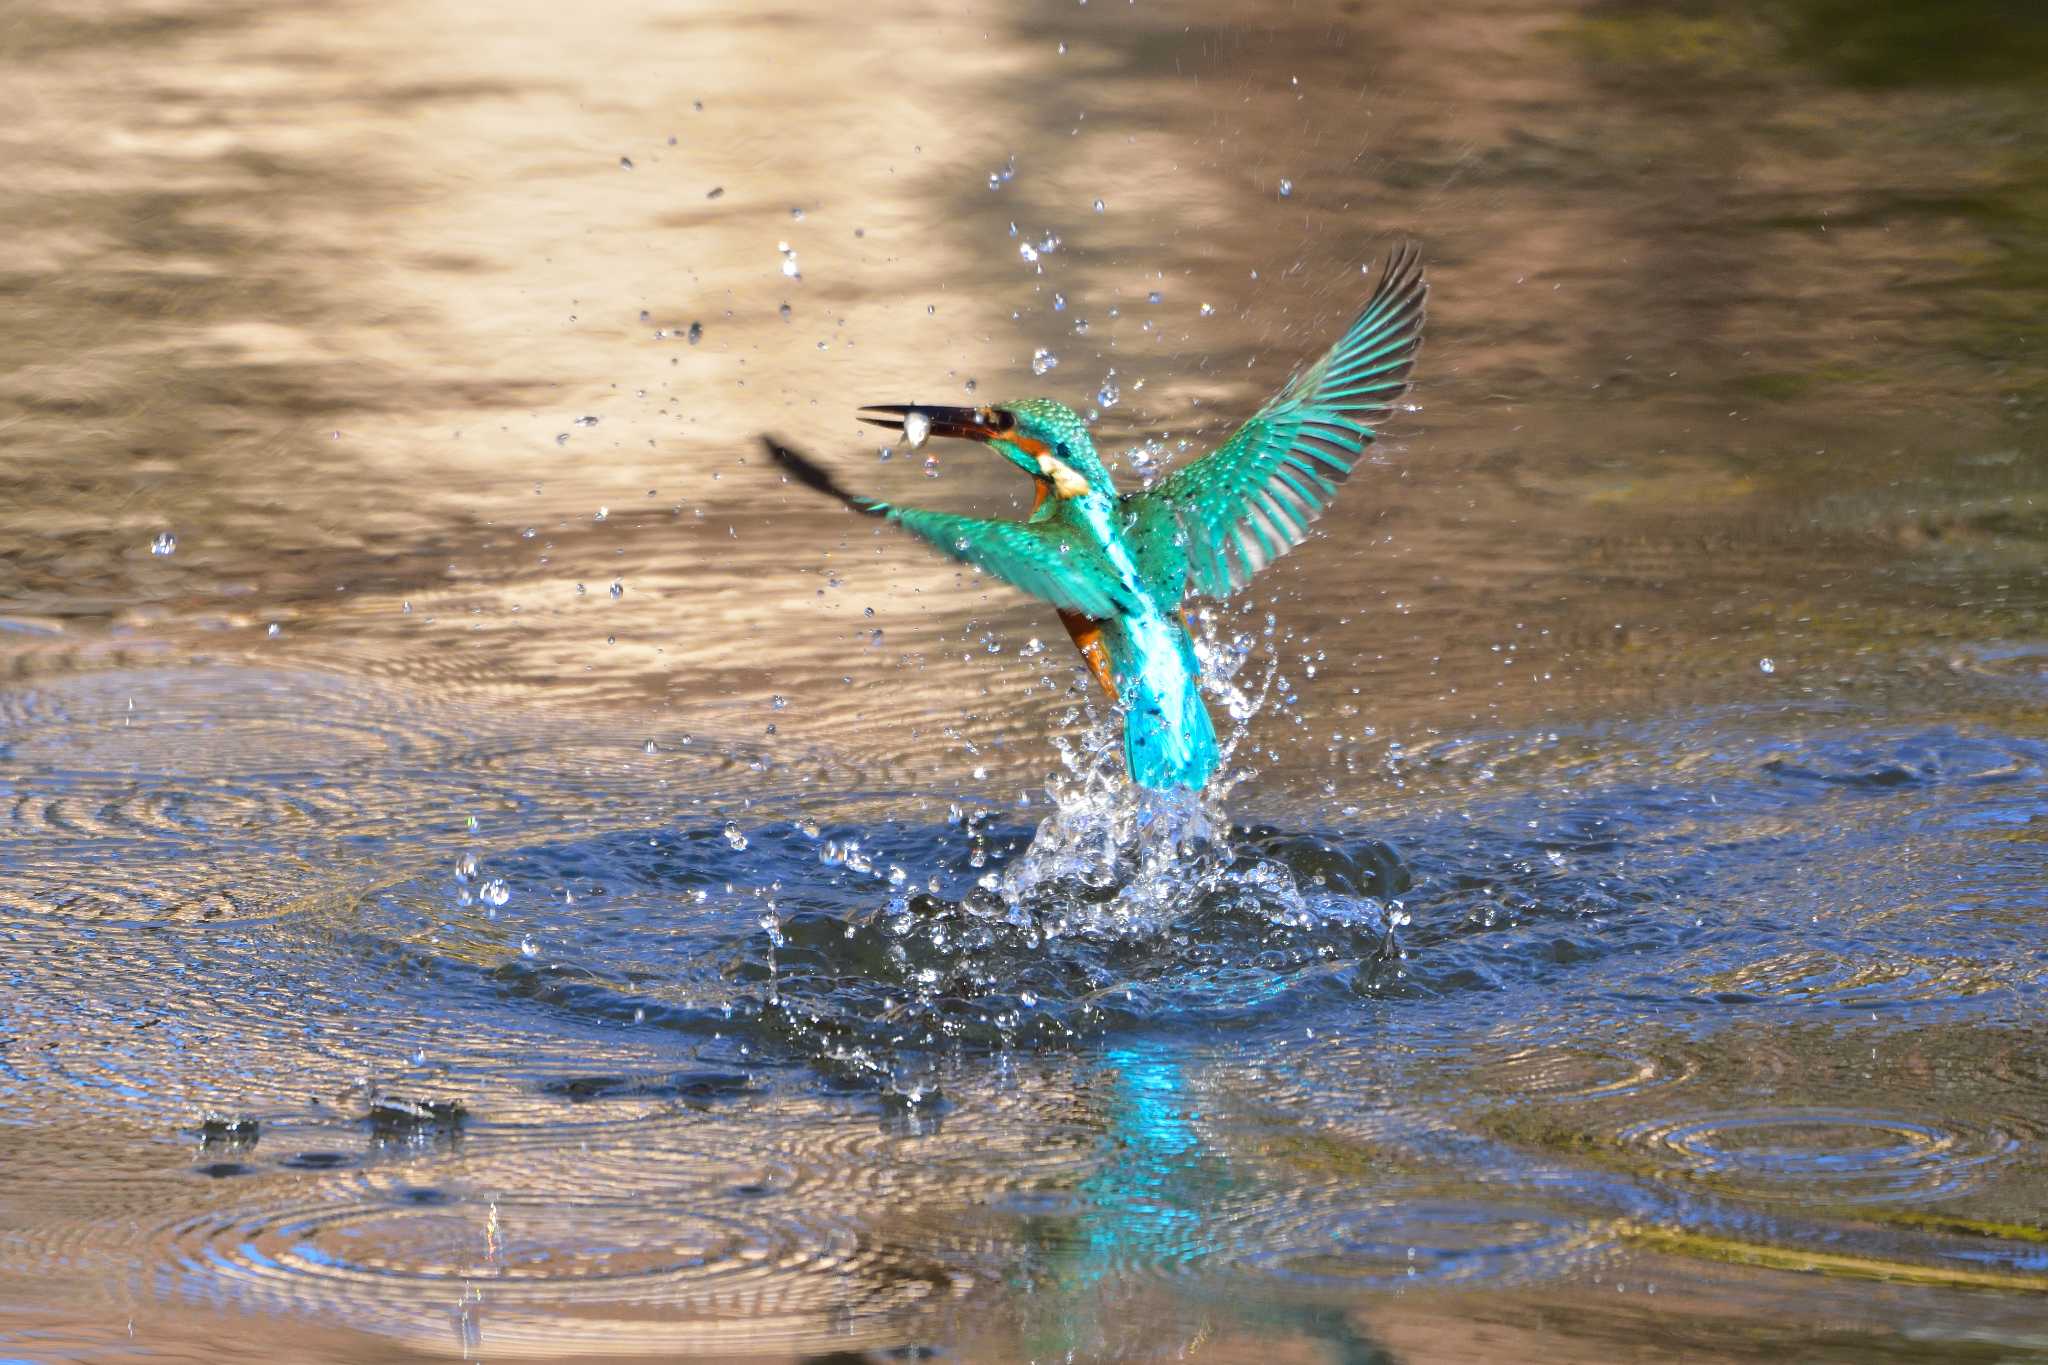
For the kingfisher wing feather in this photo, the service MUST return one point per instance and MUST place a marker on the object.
(1048, 559)
(1252, 499)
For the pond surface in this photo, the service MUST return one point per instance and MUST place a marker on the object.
(487, 869)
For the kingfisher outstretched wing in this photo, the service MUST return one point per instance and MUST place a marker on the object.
(1046, 559)
(1209, 526)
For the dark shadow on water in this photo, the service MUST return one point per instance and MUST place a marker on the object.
(1892, 43)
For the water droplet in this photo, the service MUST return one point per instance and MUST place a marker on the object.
(581, 590)
(715, 192)
(1043, 361)
(784, 312)
(1286, 188)
(585, 421)
(601, 514)
(1110, 392)
(796, 215)
(917, 428)
(1080, 327)
(970, 386)
(931, 467)
(164, 544)
(1207, 311)
(1063, 49)
(650, 747)
(1027, 251)
(778, 703)
(696, 333)
(807, 827)
(494, 892)
(1155, 297)
(1059, 303)
(273, 630)
(1767, 665)
(618, 588)
(625, 163)
(737, 840)
(528, 948)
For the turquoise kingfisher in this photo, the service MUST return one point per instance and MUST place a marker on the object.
(1118, 566)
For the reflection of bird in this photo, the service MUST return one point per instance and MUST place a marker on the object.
(1118, 566)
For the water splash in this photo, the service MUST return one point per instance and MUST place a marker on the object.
(1121, 903)
(1117, 860)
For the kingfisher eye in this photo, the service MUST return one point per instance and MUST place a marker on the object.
(1002, 421)
(1064, 453)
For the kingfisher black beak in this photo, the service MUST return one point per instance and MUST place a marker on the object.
(918, 421)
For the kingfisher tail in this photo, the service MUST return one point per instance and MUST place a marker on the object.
(1169, 740)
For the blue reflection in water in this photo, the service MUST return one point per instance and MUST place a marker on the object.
(1142, 1205)
(1145, 1201)
(1161, 1199)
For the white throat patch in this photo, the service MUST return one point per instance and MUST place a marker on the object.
(1065, 481)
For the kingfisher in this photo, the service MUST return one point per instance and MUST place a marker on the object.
(1118, 567)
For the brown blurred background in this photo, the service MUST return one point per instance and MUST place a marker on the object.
(1735, 348)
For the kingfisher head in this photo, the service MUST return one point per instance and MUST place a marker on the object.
(1045, 439)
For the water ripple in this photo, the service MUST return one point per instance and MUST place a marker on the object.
(207, 794)
(1567, 1072)
(1819, 975)
(532, 1272)
(1817, 1155)
(1396, 1244)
